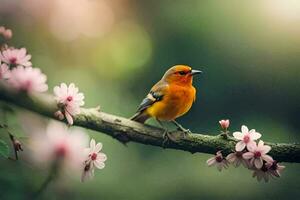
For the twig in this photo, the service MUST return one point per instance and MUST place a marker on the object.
(16, 145)
(52, 175)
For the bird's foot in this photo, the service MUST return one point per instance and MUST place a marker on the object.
(167, 136)
(184, 131)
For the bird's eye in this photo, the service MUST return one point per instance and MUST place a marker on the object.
(182, 73)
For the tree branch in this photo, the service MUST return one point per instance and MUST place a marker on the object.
(126, 130)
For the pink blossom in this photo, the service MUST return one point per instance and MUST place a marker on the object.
(68, 100)
(218, 160)
(246, 138)
(59, 115)
(275, 168)
(17, 145)
(16, 57)
(7, 33)
(262, 174)
(59, 144)
(257, 154)
(267, 171)
(28, 79)
(95, 158)
(236, 159)
(4, 71)
(224, 123)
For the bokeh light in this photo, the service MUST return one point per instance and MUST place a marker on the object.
(283, 10)
(89, 18)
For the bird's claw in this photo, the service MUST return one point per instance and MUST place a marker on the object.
(167, 137)
(184, 131)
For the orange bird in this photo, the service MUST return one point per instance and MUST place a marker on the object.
(169, 98)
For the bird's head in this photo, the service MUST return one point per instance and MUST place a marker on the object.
(180, 74)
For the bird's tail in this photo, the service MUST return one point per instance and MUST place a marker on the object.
(140, 117)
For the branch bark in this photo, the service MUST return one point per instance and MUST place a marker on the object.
(126, 130)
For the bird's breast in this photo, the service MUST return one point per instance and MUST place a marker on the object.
(176, 102)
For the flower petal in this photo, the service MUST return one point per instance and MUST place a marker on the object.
(240, 146)
(99, 164)
(238, 135)
(231, 157)
(267, 158)
(69, 118)
(260, 144)
(98, 147)
(248, 155)
(246, 163)
(258, 163)
(251, 146)
(265, 149)
(237, 163)
(219, 166)
(101, 157)
(87, 175)
(245, 129)
(255, 135)
(211, 161)
(92, 144)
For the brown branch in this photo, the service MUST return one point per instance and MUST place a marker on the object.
(126, 130)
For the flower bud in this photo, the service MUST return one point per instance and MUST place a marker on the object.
(224, 123)
(59, 115)
(17, 145)
(7, 34)
(2, 29)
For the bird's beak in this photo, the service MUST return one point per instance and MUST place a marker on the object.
(193, 72)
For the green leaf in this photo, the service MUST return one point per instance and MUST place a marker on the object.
(4, 150)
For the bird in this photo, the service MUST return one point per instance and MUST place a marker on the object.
(169, 98)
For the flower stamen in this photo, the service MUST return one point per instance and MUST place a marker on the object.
(69, 98)
(94, 156)
(246, 138)
(257, 154)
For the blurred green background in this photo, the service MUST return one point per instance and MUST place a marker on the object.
(115, 50)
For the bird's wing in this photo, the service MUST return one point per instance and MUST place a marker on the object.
(156, 94)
